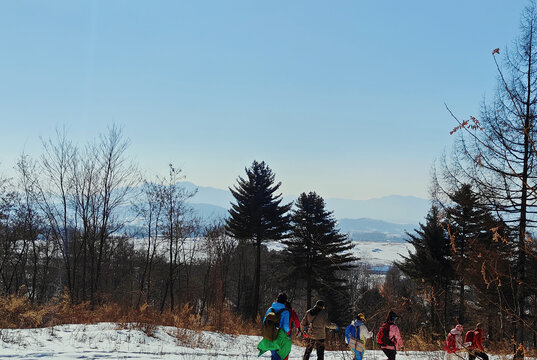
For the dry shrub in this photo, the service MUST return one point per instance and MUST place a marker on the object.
(505, 350)
(63, 311)
(503, 347)
(147, 328)
(186, 318)
(224, 320)
(421, 341)
(19, 312)
(192, 339)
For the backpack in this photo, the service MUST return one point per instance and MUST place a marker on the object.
(450, 345)
(383, 336)
(271, 325)
(469, 337)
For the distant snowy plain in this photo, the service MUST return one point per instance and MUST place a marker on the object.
(110, 341)
(378, 255)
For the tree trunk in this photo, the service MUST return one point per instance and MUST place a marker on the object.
(257, 281)
(308, 278)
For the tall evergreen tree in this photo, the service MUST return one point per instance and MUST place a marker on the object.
(480, 257)
(430, 265)
(469, 224)
(257, 215)
(316, 249)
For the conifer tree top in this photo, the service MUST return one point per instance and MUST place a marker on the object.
(257, 213)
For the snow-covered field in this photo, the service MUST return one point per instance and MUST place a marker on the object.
(379, 255)
(110, 341)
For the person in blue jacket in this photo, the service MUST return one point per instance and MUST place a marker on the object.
(357, 330)
(280, 303)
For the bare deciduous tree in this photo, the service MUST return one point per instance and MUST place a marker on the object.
(497, 155)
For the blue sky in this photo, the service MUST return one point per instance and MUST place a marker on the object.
(345, 98)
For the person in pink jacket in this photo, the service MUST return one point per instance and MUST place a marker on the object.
(391, 341)
(454, 343)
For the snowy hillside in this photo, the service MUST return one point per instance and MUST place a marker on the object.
(109, 341)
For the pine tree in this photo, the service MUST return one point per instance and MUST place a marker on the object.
(430, 265)
(317, 251)
(257, 215)
(480, 257)
(469, 224)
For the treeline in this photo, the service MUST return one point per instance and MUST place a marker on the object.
(64, 234)
(65, 231)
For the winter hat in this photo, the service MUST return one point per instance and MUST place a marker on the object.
(319, 303)
(392, 316)
(361, 317)
(282, 298)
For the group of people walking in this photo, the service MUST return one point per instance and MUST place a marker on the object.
(313, 327)
(388, 336)
(280, 320)
(472, 343)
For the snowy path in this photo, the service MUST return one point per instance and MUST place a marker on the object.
(108, 341)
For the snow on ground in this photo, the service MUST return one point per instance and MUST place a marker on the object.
(110, 341)
(380, 254)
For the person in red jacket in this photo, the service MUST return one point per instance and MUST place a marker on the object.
(395, 342)
(294, 321)
(475, 339)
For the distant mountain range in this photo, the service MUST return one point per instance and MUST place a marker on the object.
(394, 208)
(209, 195)
(380, 219)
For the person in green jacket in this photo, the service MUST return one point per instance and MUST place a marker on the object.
(281, 346)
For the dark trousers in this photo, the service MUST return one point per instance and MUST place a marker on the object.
(274, 356)
(390, 353)
(318, 345)
(480, 354)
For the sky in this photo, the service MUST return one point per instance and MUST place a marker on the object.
(345, 98)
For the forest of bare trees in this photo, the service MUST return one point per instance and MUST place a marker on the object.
(81, 221)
